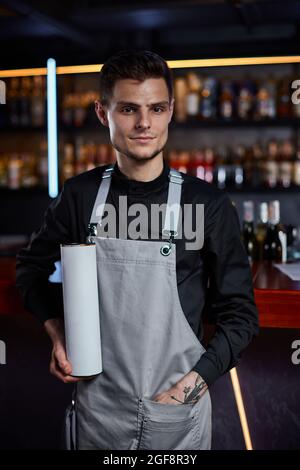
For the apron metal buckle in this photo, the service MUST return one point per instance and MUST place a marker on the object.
(92, 232)
(167, 247)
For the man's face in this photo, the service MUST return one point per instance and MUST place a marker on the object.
(138, 115)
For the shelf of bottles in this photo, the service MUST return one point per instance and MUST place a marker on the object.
(216, 110)
(264, 235)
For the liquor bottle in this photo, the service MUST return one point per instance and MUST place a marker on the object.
(249, 237)
(91, 151)
(183, 161)
(15, 170)
(271, 86)
(227, 100)
(221, 173)
(285, 166)
(296, 168)
(43, 163)
(13, 102)
(266, 100)
(248, 166)
(272, 246)
(80, 107)
(180, 92)
(198, 163)
(237, 166)
(246, 100)
(209, 162)
(67, 109)
(261, 227)
(3, 171)
(30, 175)
(258, 165)
(38, 104)
(25, 101)
(193, 94)
(208, 103)
(284, 105)
(81, 157)
(67, 168)
(293, 242)
(271, 168)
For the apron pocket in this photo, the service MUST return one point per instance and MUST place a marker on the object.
(167, 427)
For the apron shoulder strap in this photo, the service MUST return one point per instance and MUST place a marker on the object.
(173, 202)
(103, 190)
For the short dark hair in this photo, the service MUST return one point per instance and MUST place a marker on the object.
(135, 64)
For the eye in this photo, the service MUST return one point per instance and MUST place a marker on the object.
(158, 109)
(128, 109)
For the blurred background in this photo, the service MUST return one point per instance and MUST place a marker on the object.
(235, 125)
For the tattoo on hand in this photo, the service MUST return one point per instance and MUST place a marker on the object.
(196, 392)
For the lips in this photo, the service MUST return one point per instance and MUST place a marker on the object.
(142, 138)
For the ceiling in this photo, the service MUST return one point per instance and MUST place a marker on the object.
(87, 32)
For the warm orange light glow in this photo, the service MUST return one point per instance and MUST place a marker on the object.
(174, 64)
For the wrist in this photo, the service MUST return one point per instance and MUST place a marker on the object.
(55, 329)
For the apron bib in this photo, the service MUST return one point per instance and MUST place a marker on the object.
(147, 346)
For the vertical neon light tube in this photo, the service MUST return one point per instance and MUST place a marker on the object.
(52, 129)
(240, 406)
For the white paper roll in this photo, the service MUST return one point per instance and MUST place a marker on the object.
(81, 309)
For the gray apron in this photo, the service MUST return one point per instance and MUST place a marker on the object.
(147, 346)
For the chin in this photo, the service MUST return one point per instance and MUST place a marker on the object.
(140, 155)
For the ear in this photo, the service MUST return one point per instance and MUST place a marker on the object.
(171, 109)
(101, 112)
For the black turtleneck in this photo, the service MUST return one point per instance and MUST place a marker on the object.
(140, 188)
(222, 263)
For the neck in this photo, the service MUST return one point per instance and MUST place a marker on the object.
(145, 170)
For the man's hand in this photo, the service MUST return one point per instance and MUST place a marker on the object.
(59, 364)
(189, 389)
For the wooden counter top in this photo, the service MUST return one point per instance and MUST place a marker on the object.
(277, 297)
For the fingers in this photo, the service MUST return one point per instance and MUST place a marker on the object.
(62, 361)
(60, 366)
(58, 372)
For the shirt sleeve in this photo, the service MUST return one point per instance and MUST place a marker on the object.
(36, 262)
(230, 299)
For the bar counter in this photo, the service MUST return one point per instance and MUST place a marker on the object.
(277, 297)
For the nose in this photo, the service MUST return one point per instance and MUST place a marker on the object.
(143, 120)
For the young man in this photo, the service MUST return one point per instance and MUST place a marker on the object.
(153, 391)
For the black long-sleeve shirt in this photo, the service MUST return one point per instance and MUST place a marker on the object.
(216, 277)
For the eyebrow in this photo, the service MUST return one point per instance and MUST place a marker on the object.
(128, 103)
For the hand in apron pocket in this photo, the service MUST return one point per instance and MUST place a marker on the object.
(168, 427)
